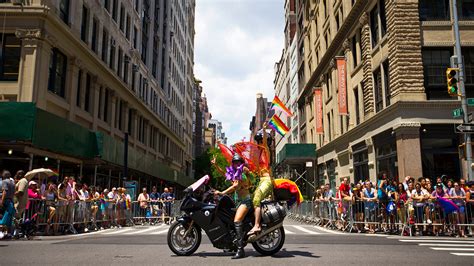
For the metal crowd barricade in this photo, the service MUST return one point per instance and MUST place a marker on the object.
(404, 218)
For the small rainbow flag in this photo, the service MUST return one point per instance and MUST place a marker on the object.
(278, 103)
(278, 125)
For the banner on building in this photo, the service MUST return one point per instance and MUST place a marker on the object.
(342, 88)
(318, 102)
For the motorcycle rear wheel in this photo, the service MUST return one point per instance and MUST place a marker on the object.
(181, 245)
(271, 243)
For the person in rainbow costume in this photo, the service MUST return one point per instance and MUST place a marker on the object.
(241, 179)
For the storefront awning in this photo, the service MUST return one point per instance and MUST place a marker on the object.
(297, 153)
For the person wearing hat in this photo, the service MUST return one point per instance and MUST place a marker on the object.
(237, 173)
(33, 198)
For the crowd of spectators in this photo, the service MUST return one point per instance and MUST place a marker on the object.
(72, 206)
(418, 205)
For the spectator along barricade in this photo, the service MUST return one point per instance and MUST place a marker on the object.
(413, 216)
(52, 216)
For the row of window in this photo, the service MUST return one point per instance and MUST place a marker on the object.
(440, 9)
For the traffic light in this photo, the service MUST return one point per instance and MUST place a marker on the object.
(452, 81)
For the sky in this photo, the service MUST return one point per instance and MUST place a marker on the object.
(237, 44)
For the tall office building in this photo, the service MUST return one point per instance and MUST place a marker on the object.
(374, 92)
(79, 77)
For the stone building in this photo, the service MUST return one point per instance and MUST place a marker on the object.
(81, 76)
(394, 115)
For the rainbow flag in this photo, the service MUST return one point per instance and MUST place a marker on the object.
(278, 125)
(278, 103)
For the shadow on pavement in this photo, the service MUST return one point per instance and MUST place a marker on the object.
(294, 253)
(281, 254)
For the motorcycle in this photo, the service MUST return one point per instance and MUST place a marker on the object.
(203, 211)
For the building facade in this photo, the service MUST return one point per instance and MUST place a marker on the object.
(103, 72)
(388, 111)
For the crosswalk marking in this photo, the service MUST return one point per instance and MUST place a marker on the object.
(446, 245)
(454, 249)
(328, 230)
(120, 231)
(144, 230)
(288, 232)
(463, 254)
(437, 241)
(159, 232)
(456, 246)
(305, 230)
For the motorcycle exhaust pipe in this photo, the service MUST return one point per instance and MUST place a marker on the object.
(254, 238)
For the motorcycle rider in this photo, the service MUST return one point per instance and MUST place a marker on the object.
(265, 185)
(240, 177)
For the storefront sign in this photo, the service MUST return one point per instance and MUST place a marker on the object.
(318, 101)
(342, 96)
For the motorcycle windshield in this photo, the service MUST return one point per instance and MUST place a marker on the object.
(201, 182)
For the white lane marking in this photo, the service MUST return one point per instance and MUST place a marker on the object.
(119, 231)
(328, 230)
(305, 230)
(436, 241)
(289, 232)
(142, 231)
(454, 249)
(463, 254)
(447, 245)
(159, 232)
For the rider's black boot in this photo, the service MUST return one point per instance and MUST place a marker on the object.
(239, 241)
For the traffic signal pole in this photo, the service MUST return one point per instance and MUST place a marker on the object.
(462, 89)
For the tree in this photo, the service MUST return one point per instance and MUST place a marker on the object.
(204, 167)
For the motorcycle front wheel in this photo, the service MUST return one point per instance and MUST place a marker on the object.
(182, 244)
(271, 243)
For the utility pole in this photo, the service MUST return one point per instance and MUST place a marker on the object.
(462, 89)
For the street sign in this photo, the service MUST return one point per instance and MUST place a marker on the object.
(457, 113)
(470, 101)
(465, 128)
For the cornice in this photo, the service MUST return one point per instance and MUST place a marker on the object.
(388, 112)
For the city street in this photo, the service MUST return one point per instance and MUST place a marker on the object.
(305, 245)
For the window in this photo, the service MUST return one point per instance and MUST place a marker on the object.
(57, 73)
(64, 10)
(357, 104)
(127, 28)
(106, 4)
(135, 38)
(354, 51)
(435, 62)
(105, 106)
(84, 24)
(79, 89)
(145, 29)
(466, 9)
(374, 26)
(10, 58)
(112, 54)
(105, 45)
(386, 82)
(378, 22)
(87, 96)
(125, 68)
(378, 90)
(114, 9)
(119, 62)
(95, 30)
(101, 91)
(434, 10)
(122, 18)
(131, 119)
(154, 65)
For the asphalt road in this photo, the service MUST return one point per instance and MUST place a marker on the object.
(304, 245)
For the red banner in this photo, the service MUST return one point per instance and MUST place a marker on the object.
(341, 73)
(318, 102)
